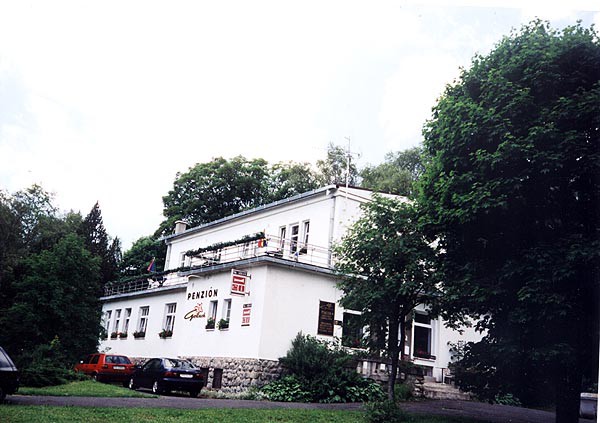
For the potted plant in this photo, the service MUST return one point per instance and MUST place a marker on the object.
(139, 334)
(223, 324)
(210, 323)
(165, 333)
(114, 335)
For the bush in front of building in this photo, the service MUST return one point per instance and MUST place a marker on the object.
(320, 372)
(384, 412)
(45, 365)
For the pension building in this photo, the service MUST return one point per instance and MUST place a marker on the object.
(236, 291)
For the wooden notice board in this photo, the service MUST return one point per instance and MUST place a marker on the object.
(326, 314)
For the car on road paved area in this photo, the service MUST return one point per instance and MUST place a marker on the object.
(163, 375)
(9, 375)
(106, 367)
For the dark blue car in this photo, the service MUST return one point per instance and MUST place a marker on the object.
(163, 375)
(9, 376)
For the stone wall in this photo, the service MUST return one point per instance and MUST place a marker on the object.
(239, 374)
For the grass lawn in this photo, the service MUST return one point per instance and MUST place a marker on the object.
(26, 414)
(86, 388)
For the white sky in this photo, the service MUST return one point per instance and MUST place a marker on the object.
(105, 101)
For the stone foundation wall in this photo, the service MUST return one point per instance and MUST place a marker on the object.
(239, 374)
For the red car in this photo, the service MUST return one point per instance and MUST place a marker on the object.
(106, 367)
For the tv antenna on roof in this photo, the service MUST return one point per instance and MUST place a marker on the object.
(349, 155)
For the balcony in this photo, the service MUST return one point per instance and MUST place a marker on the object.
(222, 255)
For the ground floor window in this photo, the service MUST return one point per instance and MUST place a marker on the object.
(352, 331)
(170, 317)
(422, 342)
(143, 319)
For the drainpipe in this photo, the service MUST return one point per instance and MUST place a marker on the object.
(331, 226)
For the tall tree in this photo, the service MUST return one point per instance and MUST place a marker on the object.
(333, 169)
(386, 266)
(289, 179)
(57, 297)
(512, 193)
(398, 174)
(98, 243)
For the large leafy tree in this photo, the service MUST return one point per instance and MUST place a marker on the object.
(56, 298)
(138, 257)
(386, 268)
(512, 193)
(221, 187)
(333, 169)
(398, 174)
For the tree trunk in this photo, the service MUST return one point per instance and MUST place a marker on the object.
(568, 394)
(394, 352)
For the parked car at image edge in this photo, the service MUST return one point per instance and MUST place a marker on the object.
(9, 375)
(107, 367)
(163, 375)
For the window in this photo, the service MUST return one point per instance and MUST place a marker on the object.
(305, 232)
(143, 319)
(212, 311)
(107, 321)
(294, 239)
(352, 331)
(126, 321)
(227, 309)
(117, 320)
(170, 316)
(422, 336)
(282, 233)
(184, 260)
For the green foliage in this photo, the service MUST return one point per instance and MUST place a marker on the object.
(511, 193)
(135, 261)
(403, 392)
(385, 265)
(333, 169)
(287, 389)
(398, 174)
(386, 411)
(507, 399)
(319, 372)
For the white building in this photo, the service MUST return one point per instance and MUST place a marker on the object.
(265, 274)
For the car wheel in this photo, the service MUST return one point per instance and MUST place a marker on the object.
(156, 389)
(194, 393)
(131, 384)
(95, 377)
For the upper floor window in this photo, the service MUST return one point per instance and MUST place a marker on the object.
(227, 309)
(107, 316)
(117, 320)
(282, 234)
(126, 320)
(305, 233)
(422, 339)
(295, 232)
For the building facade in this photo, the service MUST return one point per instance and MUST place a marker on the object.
(235, 292)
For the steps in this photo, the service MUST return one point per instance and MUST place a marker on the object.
(436, 390)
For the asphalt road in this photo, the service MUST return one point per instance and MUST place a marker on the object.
(484, 412)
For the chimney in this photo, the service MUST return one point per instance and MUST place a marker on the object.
(180, 226)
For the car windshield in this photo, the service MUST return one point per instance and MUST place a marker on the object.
(117, 359)
(178, 364)
(5, 361)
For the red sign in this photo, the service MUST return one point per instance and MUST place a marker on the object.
(238, 282)
(246, 309)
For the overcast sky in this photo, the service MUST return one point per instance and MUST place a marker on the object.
(106, 101)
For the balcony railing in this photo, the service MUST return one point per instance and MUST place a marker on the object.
(269, 246)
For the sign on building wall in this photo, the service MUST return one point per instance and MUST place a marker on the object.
(326, 314)
(246, 310)
(195, 313)
(239, 280)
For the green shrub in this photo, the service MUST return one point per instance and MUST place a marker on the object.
(384, 412)
(287, 389)
(403, 391)
(507, 399)
(321, 372)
